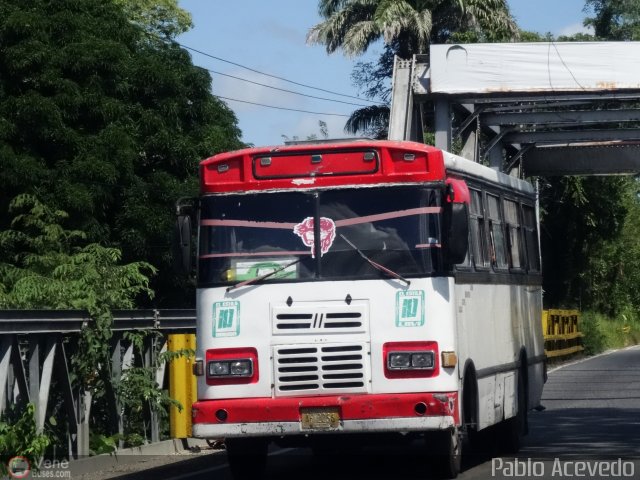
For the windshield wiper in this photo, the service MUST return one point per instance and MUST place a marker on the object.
(262, 277)
(375, 265)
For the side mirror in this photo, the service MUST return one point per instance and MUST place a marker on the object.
(456, 221)
(181, 245)
(182, 239)
(457, 232)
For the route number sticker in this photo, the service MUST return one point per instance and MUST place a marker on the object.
(226, 319)
(410, 308)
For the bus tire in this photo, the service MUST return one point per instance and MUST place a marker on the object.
(446, 451)
(247, 457)
(470, 412)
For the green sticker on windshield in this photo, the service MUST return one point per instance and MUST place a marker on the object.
(410, 308)
(248, 269)
(226, 319)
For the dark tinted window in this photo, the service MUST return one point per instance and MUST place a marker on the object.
(246, 236)
(395, 227)
(496, 233)
(477, 229)
(512, 220)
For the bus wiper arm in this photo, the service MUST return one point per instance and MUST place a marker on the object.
(376, 265)
(262, 277)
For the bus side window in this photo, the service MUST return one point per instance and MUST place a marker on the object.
(477, 230)
(496, 233)
(513, 233)
(531, 238)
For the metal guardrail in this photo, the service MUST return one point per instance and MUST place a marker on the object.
(33, 356)
(562, 335)
(33, 353)
(68, 321)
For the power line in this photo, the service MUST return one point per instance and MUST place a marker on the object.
(283, 89)
(281, 108)
(272, 76)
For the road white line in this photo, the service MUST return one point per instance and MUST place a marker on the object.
(608, 352)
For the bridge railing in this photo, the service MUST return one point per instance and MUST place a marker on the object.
(562, 335)
(34, 354)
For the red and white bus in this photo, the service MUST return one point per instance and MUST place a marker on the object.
(418, 311)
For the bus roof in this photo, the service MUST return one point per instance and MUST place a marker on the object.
(340, 163)
(456, 164)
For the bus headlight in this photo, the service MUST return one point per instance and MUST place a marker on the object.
(399, 360)
(410, 359)
(228, 366)
(217, 369)
(234, 368)
(242, 368)
(422, 360)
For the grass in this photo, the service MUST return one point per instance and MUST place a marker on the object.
(604, 333)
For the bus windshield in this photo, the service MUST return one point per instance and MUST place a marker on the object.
(246, 236)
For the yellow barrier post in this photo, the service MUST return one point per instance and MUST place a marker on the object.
(545, 323)
(561, 329)
(182, 384)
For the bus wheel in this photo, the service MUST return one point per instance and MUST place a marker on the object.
(247, 457)
(446, 448)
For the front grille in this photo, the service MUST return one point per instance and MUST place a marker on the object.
(320, 319)
(323, 369)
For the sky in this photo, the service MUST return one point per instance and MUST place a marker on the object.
(270, 37)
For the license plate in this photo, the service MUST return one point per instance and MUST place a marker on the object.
(320, 418)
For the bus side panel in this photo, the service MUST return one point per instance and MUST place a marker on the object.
(535, 345)
(495, 322)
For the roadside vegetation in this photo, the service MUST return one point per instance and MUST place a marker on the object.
(103, 120)
(603, 333)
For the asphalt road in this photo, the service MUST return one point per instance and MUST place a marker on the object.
(589, 429)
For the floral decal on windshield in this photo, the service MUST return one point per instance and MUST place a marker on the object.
(304, 230)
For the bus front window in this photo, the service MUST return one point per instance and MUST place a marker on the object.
(247, 236)
(396, 227)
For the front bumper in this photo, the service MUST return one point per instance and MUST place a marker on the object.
(409, 412)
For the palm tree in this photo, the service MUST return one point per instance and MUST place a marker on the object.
(407, 27)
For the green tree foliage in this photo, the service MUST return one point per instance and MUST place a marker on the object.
(47, 266)
(614, 19)
(580, 215)
(612, 273)
(138, 386)
(406, 27)
(21, 437)
(103, 122)
(159, 17)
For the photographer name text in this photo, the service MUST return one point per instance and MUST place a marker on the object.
(526, 467)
